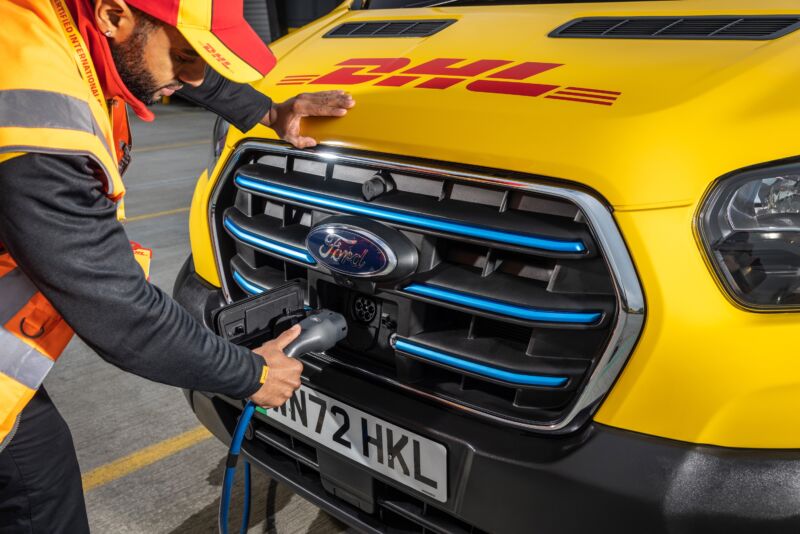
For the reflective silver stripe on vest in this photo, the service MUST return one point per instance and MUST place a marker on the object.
(16, 290)
(22, 362)
(32, 108)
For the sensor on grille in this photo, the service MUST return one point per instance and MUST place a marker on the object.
(377, 186)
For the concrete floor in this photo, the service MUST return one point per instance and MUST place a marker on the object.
(117, 416)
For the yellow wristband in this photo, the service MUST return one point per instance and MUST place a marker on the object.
(264, 373)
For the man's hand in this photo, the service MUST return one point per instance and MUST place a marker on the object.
(285, 117)
(283, 377)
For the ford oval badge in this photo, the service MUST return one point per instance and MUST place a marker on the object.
(358, 247)
(350, 250)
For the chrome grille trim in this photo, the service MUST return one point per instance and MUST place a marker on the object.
(631, 313)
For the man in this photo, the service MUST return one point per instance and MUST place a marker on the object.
(69, 68)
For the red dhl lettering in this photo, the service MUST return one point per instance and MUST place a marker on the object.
(216, 55)
(494, 76)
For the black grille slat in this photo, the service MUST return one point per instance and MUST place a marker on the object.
(541, 225)
(393, 29)
(636, 27)
(424, 29)
(286, 445)
(758, 28)
(697, 27)
(270, 228)
(512, 290)
(366, 30)
(721, 27)
(586, 278)
(591, 27)
(515, 335)
(390, 28)
(345, 30)
(429, 519)
(498, 352)
(551, 343)
(498, 400)
(265, 277)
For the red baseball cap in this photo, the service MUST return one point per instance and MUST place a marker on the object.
(218, 32)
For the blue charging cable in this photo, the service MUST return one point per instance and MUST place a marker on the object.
(230, 473)
(318, 332)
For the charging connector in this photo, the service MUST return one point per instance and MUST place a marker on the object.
(320, 331)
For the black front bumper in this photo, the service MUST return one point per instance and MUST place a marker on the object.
(505, 480)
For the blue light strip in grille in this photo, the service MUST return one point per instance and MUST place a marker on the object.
(248, 286)
(401, 217)
(502, 308)
(288, 251)
(477, 368)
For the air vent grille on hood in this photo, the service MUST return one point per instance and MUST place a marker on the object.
(715, 28)
(390, 28)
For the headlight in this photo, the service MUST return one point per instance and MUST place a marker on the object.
(221, 127)
(750, 228)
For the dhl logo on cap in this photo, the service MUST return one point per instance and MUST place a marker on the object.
(218, 32)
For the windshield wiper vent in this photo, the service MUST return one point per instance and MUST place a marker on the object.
(390, 28)
(711, 28)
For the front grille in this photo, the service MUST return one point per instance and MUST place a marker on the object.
(523, 307)
(708, 28)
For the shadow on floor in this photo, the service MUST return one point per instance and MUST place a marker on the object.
(269, 499)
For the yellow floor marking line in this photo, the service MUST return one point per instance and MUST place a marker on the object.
(168, 146)
(156, 214)
(142, 458)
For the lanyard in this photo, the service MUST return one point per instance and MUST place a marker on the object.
(75, 39)
(118, 115)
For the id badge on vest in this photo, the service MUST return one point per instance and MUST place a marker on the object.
(121, 130)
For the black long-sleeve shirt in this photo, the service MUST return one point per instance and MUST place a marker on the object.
(239, 104)
(63, 232)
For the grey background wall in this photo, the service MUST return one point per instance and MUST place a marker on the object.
(272, 19)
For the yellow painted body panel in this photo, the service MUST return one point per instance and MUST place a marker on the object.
(200, 232)
(689, 112)
(704, 370)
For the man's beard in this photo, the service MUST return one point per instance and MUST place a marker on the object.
(129, 60)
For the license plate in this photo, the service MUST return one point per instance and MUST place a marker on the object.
(395, 452)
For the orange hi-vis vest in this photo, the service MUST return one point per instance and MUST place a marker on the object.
(50, 103)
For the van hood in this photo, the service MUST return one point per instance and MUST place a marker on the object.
(646, 123)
